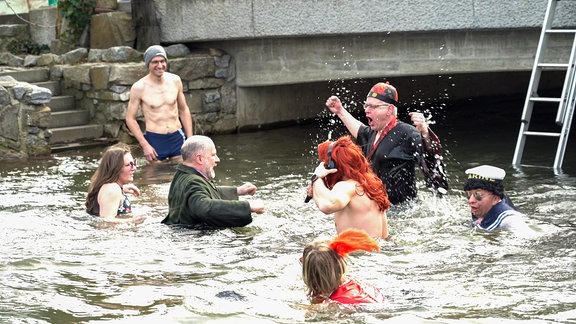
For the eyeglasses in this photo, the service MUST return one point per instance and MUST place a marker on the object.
(477, 195)
(366, 106)
(132, 164)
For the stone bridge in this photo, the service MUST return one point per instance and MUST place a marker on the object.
(291, 55)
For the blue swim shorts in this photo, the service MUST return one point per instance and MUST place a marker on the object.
(166, 145)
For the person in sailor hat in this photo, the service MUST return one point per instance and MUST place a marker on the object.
(490, 206)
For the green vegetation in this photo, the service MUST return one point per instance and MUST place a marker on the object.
(78, 14)
(17, 46)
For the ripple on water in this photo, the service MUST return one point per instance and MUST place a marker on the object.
(58, 264)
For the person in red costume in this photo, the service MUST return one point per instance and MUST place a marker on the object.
(324, 270)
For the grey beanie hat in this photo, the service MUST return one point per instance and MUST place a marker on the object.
(153, 51)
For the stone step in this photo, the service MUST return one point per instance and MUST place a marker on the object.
(62, 103)
(75, 134)
(28, 75)
(69, 118)
(81, 145)
(54, 87)
(70, 127)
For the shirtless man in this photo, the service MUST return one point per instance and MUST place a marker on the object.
(168, 119)
(344, 184)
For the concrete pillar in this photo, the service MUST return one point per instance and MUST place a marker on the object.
(43, 25)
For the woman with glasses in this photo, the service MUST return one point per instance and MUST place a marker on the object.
(109, 185)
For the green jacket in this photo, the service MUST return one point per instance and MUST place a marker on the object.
(194, 200)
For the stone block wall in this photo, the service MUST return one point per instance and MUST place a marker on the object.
(24, 119)
(102, 85)
(111, 29)
(104, 89)
(100, 81)
(13, 33)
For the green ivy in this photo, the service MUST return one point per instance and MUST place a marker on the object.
(78, 14)
(26, 47)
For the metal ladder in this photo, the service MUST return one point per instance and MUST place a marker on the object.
(566, 102)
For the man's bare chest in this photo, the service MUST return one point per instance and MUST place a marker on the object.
(159, 96)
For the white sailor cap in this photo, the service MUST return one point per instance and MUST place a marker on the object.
(486, 172)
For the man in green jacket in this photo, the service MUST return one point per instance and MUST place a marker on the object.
(194, 199)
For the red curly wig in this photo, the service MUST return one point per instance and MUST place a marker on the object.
(352, 164)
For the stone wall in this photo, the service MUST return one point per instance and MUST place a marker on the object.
(102, 85)
(10, 34)
(24, 119)
(100, 81)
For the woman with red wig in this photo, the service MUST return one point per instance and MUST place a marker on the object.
(324, 270)
(344, 184)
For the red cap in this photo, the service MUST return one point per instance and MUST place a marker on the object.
(385, 92)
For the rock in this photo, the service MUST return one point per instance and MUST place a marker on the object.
(112, 29)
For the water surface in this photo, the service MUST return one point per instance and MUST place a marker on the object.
(60, 265)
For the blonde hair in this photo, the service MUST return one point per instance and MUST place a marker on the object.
(322, 270)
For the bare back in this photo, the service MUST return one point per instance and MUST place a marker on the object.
(361, 212)
(159, 102)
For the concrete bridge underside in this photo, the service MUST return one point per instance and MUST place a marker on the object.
(290, 56)
(290, 79)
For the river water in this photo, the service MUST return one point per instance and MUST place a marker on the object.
(59, 265)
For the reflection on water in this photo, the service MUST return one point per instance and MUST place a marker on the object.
(57, 264)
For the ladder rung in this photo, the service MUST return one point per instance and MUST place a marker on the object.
(544, 99)
(554, 65)
(560, 31)
(565, 102)
(542, 134)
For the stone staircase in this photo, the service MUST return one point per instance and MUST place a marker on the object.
(70, 125)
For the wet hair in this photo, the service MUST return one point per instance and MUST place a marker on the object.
(322, 270)
(496, 187)
(352, 164)
(324, 262)
(194, 145)
(108, 171)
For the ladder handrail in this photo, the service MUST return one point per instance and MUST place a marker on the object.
(534, 80)
(567, 94)
(567, 100)
(570, 106)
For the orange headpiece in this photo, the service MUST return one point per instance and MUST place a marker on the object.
(352, 240)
